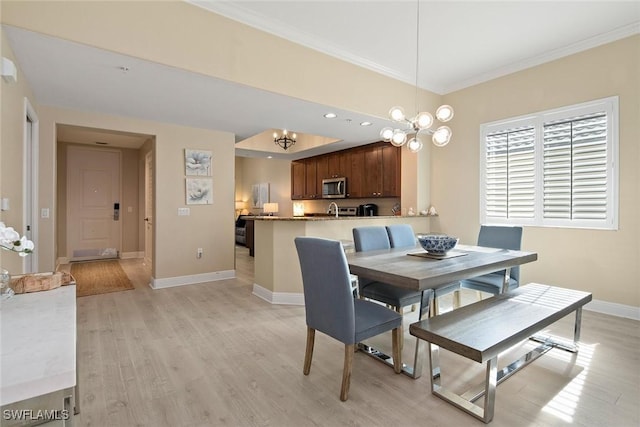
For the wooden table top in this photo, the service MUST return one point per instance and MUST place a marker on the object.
(397, 267)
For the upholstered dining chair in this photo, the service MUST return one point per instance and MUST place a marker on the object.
(502, 237)
(374, 238)
(402, 235)
(331, 309)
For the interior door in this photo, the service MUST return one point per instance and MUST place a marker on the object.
(148, 209)
(93, 203)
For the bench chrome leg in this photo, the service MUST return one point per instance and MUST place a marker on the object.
(491, 381)
(564, 344)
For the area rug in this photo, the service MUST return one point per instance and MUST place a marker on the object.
(99, 277)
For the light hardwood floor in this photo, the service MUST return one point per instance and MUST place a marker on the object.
(215, 355)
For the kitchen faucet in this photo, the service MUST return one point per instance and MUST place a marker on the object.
(335, 205)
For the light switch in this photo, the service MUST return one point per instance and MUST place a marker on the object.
(4, 204)
(184, 211)
(44, 213)
(129, 209)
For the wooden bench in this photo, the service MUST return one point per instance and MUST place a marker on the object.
(483, 330)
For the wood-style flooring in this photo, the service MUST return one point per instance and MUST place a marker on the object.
(213, 354)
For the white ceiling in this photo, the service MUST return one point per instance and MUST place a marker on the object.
(461, 44)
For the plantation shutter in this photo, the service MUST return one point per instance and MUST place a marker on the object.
(510, 173)
(575, 168)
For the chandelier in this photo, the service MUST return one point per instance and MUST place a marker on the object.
(284, 141)
(422, 122)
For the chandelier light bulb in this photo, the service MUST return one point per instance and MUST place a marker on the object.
(275, 135)
(423, 121)
(399, 138)
(444, 113)
(442, 136)
(386, 134)
(414, 145)
(397, 114)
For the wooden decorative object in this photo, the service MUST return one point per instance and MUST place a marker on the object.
(40, 282)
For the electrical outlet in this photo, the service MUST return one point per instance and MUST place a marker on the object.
(199, 253)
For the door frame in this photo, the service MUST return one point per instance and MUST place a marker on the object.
(31, 145)
(148, 161)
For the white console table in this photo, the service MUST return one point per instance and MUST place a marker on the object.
(38, 353)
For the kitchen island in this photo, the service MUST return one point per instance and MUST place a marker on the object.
(277, 271)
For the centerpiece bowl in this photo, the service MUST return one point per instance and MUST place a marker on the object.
(437, 244)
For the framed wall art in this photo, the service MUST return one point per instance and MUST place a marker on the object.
(259, 194)
(197, 162)
(199, 191)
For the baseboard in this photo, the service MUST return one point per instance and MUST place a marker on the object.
(284, 298)
(614, 309)
(213, 276)
(130, 255)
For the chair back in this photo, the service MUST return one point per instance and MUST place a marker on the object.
(370, 238)
(504, 238)
(328, 298)
(401, 235)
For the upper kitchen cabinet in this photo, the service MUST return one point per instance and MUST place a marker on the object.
(313, 184)
(372, 171)
(298, 180)
(338, 164)
(382, 171)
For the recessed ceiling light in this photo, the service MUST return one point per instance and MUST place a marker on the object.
(331, 115)
(269, 157)
(366, 124)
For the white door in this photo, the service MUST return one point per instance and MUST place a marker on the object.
(93, 202)
(148, 209)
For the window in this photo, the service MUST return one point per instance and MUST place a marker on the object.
(555, 168)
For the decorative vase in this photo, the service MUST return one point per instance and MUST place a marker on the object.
(5, 279)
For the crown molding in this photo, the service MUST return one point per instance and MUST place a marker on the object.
(235, 11)
(590, 43)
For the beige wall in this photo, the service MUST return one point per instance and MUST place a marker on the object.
(12, 115)
(176, 238)
(603, 262)
(274, 171)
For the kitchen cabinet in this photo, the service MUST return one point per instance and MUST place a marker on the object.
(313, 185)
(372, 170)
(298, 180)
(337, 164)
(354, 173)
(382, 166)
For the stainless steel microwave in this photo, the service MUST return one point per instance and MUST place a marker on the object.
(334, 188)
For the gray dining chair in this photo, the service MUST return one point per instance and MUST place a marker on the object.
(502, 237)
(331, 309)
(375, 238)
(402, 235)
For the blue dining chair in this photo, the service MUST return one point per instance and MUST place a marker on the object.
(496, 237)
(331, 309)
(375, 238)
(402, 235)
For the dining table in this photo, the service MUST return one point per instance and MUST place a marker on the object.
(416, 269)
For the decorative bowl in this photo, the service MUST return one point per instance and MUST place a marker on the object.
(437, 244)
